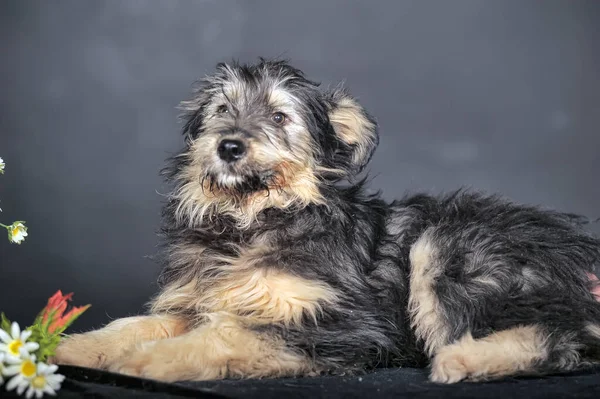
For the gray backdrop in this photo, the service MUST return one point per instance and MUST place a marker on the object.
(498, 95)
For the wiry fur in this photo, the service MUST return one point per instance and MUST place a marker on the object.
(276, 268)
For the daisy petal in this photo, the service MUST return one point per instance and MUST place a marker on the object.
(11, 370)
(4, 336)
(12, 384)
(23, 352)
(25, 335)
(52, 369)
(49, 390)
(53, 384)
(3, 347)
(57, 379)
(21, 388)
(10, 359)
(29, 393)
(15, 331)
(32, 346)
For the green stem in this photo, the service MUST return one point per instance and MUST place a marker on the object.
(3, 225)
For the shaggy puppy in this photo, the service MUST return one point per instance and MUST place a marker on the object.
(273, 267)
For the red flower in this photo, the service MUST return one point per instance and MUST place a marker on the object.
(53, 315)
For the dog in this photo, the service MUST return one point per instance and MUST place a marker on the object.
(277, 262)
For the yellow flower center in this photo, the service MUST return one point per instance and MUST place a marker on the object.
(39, 382)
(28, 368)
(15, 231)
(14, 347)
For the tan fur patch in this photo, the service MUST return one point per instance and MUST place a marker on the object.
(98, 348)
(243, 286)
(175, 298)
(353, 127)
(270, 296)
(500, 354)
(423, 305)
(220, 348)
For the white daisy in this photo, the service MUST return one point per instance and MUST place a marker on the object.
(1, 166)
(2, 356)
(14, 344)
(45, 381)
(17, 232)
(21, 370)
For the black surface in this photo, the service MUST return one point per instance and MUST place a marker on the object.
(397, 383)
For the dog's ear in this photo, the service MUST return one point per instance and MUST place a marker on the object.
(355, 130)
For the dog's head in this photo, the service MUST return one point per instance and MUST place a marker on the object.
(261, 136)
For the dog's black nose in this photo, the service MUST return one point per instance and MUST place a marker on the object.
(231, 150)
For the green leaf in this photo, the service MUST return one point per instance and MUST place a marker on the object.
(47, 341)
(4, 323)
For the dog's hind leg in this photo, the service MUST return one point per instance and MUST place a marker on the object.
(530, 349)
(446, 297)
(518, 350)
(456, 295)
(499, 354)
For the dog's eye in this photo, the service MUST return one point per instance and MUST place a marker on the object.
(222, 109)
(278, 118)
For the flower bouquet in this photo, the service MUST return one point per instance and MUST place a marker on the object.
(23, 354)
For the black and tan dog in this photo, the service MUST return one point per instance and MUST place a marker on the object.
(277, 263)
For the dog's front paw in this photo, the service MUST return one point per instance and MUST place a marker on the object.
(80, 350)
(149, 361)
(133, 363)
(448, 367)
